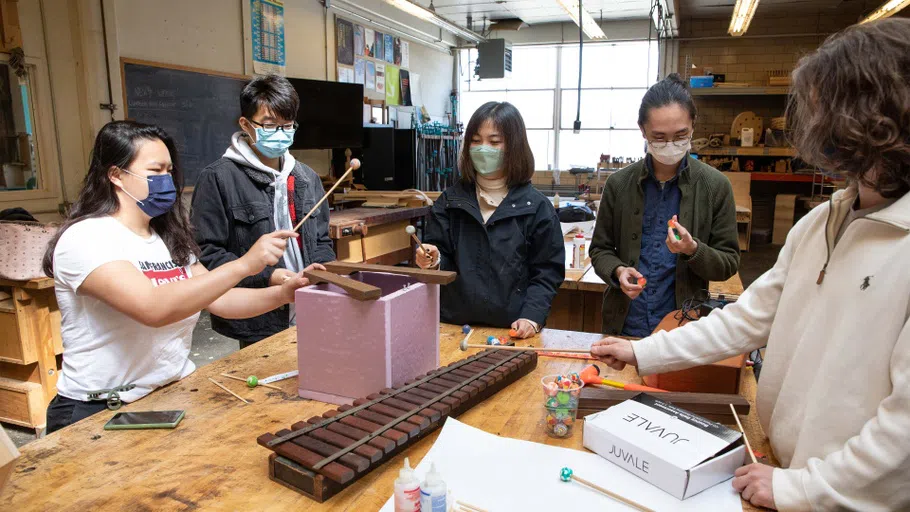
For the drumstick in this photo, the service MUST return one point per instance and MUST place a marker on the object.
(746, 439)
(220, 385)
(567, 474)
(469, 507)
(355, 164)
(258, 382)
(411, 230)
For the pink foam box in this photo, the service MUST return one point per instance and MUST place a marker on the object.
(348, 348)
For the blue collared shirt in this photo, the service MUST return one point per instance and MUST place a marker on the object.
(656, 262)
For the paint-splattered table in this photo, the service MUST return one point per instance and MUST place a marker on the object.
(212, 462)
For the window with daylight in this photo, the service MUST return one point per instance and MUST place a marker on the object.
(544, 87)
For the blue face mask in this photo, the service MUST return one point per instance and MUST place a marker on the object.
(162, 194)
(273, 143)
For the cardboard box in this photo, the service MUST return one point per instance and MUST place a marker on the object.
(678, 451)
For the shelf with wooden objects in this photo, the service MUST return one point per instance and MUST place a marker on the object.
(30, 346)
(776, 152)
(742, 91)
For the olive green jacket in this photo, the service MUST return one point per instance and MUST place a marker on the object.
(707, 210)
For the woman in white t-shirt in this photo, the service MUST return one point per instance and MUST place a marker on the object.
(127, 278)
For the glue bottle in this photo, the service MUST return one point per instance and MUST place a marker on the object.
(407, 490)
(433, 492)
(578, 252)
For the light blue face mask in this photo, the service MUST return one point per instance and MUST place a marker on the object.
(486, 159)
(273, 143)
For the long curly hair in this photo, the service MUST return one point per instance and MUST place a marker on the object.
(849, 109)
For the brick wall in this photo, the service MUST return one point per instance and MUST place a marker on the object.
(748, 60)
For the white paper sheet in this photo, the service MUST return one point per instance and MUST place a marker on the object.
(586, 228)
(501, 474)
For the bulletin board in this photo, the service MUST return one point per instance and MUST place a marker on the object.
(377, 61)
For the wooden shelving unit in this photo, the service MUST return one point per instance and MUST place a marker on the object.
(752, 151)
(742, 91)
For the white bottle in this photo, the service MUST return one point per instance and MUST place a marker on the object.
(433, 492)
(578, 252)
(407, 490)
(556, 200)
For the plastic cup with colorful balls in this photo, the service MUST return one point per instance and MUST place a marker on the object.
(561, 403)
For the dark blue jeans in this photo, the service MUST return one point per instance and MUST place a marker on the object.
(63, 411)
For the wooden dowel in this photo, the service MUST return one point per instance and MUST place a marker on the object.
(529, 349)
(611, 494)
(244, 380)
(469, 507)
(417, 241)
(746, 439)
(220, 385)
(355, 164)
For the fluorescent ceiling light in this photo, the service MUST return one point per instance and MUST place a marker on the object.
(742, 17)
(425, 14)
(887, 9)
(587, 23)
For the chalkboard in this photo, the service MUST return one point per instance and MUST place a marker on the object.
(198, 108)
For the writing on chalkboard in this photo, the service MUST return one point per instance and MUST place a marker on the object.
(198, 109)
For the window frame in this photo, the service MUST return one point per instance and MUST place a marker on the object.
(46, 150)
(557, 90)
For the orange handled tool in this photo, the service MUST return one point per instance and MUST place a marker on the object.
(591, 375)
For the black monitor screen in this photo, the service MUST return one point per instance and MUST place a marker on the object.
(330, 115)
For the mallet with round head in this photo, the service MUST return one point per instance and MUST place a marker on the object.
(355, 164)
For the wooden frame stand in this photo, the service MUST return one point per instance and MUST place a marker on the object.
(30, 343)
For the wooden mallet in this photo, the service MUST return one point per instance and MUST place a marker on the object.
(746, 439)
(567, 475)
(465, 345)
(355, 164)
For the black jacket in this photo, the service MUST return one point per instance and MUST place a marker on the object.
(232, 208)
(509, 268)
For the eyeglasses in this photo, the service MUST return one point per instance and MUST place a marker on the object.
(680, 143)
(272, 127)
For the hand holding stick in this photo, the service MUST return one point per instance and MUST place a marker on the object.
(355, 164)
(746, 439)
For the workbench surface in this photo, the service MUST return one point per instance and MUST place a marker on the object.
(211, 460)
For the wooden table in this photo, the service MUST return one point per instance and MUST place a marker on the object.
(212, 461)
(577, 305)
(380, 232)
(30, 342)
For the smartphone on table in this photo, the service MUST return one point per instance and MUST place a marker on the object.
(144, 420)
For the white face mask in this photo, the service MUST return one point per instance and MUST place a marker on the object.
(671, 154)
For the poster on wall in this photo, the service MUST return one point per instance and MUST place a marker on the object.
(358, 40)
(358, 71)
(370, 75)
(380, 78)
(379, 47)
(398, 51)
(267, 24)
(405, 87)
(345, 75)
(389, 45)
(405, 55)
(392, 92)
(369, 42)
(344, 40)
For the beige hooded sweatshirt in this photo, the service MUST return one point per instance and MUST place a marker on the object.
(834, 393)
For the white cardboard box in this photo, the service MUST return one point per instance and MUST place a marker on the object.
(676, 450)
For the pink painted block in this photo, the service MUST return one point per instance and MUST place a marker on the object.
(348, 349)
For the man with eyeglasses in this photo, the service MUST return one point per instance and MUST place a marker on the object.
(666, 224)
(255, 188)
